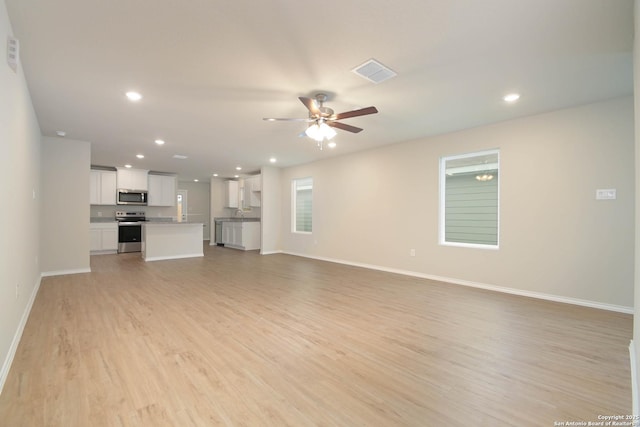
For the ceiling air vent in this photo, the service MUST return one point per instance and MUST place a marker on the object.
(179, 156)
(374, 71)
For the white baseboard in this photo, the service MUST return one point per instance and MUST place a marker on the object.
(164, 258)
(108, 252)
(520, 292)
(63, 272)
(6, 365)
(270, 252)
(634, 378)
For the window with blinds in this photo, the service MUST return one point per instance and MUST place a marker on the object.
(469, 199)
(302, 205)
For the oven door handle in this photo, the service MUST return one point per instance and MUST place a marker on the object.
(129, 223)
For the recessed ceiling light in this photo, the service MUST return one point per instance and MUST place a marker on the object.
(159, 141)
(196, 180)
(140, 156)
(512, 97)
(215, 174)
(236, 176)
(134, 96)
(61, 133)
(127, 166)
(331, 144)
(273, 160)
(238, 168)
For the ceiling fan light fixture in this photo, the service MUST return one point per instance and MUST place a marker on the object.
(484, 177)
(320, 132)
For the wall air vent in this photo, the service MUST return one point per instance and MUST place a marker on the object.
(374, 71)
(13, 53)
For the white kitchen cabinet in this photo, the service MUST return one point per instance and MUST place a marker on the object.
(256, 185)
(251, 191)
(102, 187)
(231, 196)
(103, 237)
(132, 179)
(244, 235)
(162, 190)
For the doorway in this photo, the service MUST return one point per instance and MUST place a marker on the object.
(181, 204)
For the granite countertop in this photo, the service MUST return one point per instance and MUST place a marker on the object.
(101, 219)
(172, 223)
(236, 219)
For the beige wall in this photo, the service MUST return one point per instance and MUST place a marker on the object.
(198, 203)
(372, 207)
(271, 208)
(19, 215)
(64, 222)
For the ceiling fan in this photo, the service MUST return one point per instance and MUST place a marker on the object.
(322, 119)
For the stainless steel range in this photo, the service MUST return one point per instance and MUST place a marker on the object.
(130, 231)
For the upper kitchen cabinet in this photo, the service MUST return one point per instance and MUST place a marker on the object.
(102, 187)
(252, 191)
(162, 190)
(132, 179)
(231, 196)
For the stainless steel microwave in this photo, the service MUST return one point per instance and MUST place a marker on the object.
(132, 197)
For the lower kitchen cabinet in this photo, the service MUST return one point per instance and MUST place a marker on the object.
(244, 235)
(103, 237)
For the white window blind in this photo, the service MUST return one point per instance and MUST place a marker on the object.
(469, 199)
(302, 205)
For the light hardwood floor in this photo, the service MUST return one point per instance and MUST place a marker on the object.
(240, 339)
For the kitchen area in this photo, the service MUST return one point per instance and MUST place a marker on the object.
(134, 210)
(238, 224)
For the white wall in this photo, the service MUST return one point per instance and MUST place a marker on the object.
(19, 216)
(64, 222)
(372, 207)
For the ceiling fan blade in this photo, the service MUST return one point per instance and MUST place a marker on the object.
(355, 113)
(343, 126)
(273, 119)
(311, 105)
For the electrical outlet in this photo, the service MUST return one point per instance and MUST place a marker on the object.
(17, 290)
(412, 252)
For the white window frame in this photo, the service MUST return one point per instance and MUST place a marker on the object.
(442, 211)
(294, 193)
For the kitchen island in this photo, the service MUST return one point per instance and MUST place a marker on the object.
(171, 240)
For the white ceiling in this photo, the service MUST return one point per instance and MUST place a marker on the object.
(210, 70)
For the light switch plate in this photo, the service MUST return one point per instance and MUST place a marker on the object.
(13, 49)
(606, 194)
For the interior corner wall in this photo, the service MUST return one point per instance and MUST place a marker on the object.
(372, 208)
(65, 215)
(20, 189)
(636, 318)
